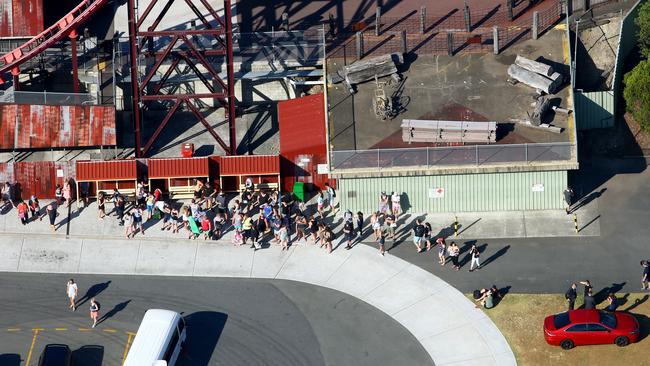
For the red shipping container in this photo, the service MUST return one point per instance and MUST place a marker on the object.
(301, 156)
(249, 164)
(20, 18)
(187, 150)
(178, 168)
(106, 170)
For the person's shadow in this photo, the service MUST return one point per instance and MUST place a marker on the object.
(116, 309)
(93, 291)
(494, 256)
(601, 295)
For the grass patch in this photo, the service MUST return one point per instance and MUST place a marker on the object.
(520, 317)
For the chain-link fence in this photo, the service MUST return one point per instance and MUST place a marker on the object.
(430, 157)
(442, 34)
(50, 98)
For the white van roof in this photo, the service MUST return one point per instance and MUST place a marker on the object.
(154, 331)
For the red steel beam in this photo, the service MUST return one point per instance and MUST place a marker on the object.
(230, 115)
(149, 98)
(162, 125)
(194, 57)
(135, 97)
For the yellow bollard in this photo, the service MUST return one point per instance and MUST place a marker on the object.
(455, 226)
(575, 222)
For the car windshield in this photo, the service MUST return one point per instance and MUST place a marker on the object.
(608, 319)
(561, 320)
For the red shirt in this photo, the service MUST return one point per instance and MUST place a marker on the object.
(205, 224)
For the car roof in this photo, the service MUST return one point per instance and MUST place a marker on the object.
(156, 327)
(584, 316)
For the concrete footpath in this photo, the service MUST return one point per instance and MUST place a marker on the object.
(441, 318)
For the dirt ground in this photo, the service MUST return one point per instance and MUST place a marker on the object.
(520, 318)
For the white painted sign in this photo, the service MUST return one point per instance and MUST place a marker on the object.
(59, 173)
(322, 169)
(438, 192)
(538, 187)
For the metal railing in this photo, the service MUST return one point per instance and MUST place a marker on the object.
(25, 97)
(430, 157)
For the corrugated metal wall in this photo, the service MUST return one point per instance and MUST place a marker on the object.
(28, 126)
(21, 18)
(595, 109)
(249, 164)
(177, 168)
(107, 170)
(462, 193)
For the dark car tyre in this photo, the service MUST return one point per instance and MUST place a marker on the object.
(566, 344)
(622, 341)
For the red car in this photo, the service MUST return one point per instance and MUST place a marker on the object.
(590, 326)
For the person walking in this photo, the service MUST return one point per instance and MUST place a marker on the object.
(320, 202)
(382, 244)
(612, 302)
(72, 290)
(475, 253)
(590, 302)
(428, 231)
(348, 233)
(391, 227)
(453, 252)
(23, 212)
(587, 285)
(568, 199)
(375, 225)
(94, 311)
(397, 207)
(129, 227)
(58, 194)
(570, 295)
(51, 213)
(442, 250)
(359, 223)
(284, 237)
(67, 193)
(137, 219)
(328, 236)
(101, 205)
(120, 206)
(418, 234)
(330, 196)
(645, 276)
(150, 200)
(313, 228)
(35, 208)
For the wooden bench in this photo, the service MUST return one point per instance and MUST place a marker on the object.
(125, 192)
(181, 192)
(260, 186)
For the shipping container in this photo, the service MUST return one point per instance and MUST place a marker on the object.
(264, 170)
(113, 170)
(458, 193)
(28, 126)
(249, 164)
(178, 168)
(20, 18)
(303, 157)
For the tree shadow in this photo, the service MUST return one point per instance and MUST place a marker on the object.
(204, 329)
(644, 326)
(91, 355)
(494, 256)
(601, 295)
(587, 199)
(637, 302)
(10, 359)
(93, 291)
(116, 309)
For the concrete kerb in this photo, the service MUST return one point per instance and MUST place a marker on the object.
(441, 318)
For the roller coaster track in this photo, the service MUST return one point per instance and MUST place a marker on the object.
(11, 61)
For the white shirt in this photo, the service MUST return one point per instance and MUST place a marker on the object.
(72, 290)
(395, 198)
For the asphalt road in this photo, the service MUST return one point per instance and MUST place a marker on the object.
(549, 265)
(230, 322)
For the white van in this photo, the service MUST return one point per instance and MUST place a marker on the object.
(159, 339)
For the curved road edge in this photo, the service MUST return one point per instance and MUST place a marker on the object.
(440, 317)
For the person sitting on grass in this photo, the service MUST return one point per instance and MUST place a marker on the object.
(486, 299)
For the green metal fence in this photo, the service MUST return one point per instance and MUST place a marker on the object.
(595, 109)
(458, 193)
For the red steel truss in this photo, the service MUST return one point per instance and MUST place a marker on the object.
(147, 90)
